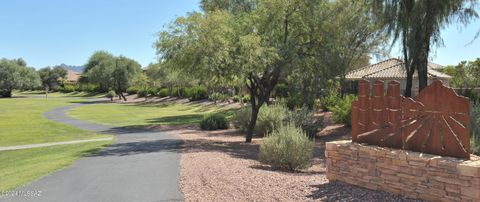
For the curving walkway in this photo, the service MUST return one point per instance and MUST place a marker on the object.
(140, 166)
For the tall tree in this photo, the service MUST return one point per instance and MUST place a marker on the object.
(52, 77)
(14, 74)
(268, 42)
(417, 24)
(110, 72)
(124, 74)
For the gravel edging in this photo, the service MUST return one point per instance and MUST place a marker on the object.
(219, 166)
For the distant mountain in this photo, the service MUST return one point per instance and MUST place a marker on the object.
(78, 69)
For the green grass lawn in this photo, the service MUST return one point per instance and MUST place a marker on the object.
(19, 167)
(22, 122)
(146, 114)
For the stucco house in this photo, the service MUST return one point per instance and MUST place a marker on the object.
(394, 69)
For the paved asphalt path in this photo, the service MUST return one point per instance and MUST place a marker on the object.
(140, 166)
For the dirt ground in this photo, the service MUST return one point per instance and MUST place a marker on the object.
(219, 166)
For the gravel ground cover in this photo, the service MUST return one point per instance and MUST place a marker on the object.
(219, 166)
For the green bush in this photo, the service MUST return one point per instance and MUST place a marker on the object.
(214, 122)
(286, 148)
(242, 118)
(236, 98)
(293, 102)
(143, 92)
(246, 99)
(163, 92)
(67, 88)
(218, 97)
(88, 87)
(305, 119)
(269, 118)
(332, 97)
(197, 93)
(342, 111)
(133, 90)
(475, 128)
(111, 94)
(281, 90)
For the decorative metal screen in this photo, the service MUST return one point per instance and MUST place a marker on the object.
(436, 121)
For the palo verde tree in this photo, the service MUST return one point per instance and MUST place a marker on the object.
(52, 77)
(14, 74)
(417, 25)
(268, 41)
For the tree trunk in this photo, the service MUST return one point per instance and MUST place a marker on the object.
(252, 123)
(422, 76)
(123, 96)
(408, 86)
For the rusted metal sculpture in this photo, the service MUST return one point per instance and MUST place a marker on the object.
(436, 121)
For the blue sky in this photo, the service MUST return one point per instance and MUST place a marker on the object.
(51, 32)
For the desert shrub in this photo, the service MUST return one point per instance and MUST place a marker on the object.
(269, 118)
(242, 118)
(89, 87)
(332, 96)
(111, 94)
(475, 128)
(218, 97)
(197, 93)
(305, 119)
(294, 101)
(133, 90)
(163, 92)
(67, 88)
(281, 90)
(236, 98)
(143, 92)
(287, 148)
(246, 98)
(342, 111)
(214, 122)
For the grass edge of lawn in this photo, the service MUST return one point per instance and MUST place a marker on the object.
(60, 160)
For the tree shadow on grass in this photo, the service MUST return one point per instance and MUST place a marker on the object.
(179, 119)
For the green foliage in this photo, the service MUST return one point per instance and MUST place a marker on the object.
(67, 88)
(281, 90)
(14, 74)
(89, 87)
(111, 94)
(272, 116)
(332, 97)
(246, 98)
(214, 122)
(237, 98)
(51, 77)
(218, 97)
(143, 92)
(475, 127)
(163, 92)
(287, 148)
(133, 90)
(110, 72)
(242, 118)
(342, 111)
(269, 118)
(305, 119)
(294, 101)
(197, 93)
